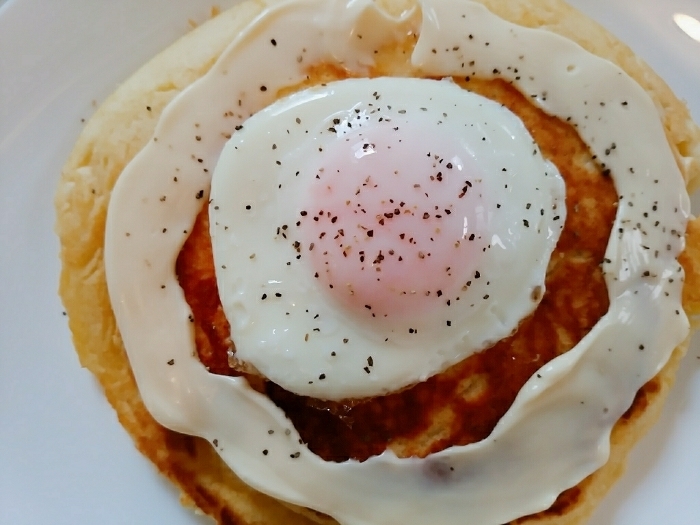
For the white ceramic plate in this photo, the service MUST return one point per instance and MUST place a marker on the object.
(64, 458)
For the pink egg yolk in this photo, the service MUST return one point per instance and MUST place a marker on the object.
(395, 220)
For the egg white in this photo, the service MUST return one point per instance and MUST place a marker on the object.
(286, 324)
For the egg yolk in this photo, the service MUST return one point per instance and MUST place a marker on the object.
(394, 218)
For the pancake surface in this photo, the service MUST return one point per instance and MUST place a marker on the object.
(96, 162)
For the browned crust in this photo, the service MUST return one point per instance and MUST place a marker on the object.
(81, 203)
(463, 403)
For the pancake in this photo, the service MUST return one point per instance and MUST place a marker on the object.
(125, 123)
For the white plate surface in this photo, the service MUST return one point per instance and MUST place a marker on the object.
(64, 458)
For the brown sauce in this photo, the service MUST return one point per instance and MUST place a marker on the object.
(462, 404)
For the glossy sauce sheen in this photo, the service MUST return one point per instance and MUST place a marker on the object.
(559, 423)
(464, 403)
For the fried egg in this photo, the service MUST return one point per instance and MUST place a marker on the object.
(369, 233)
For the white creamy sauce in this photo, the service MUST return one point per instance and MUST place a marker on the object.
(557, 431)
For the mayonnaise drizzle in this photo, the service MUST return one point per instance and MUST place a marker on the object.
(556, 432)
